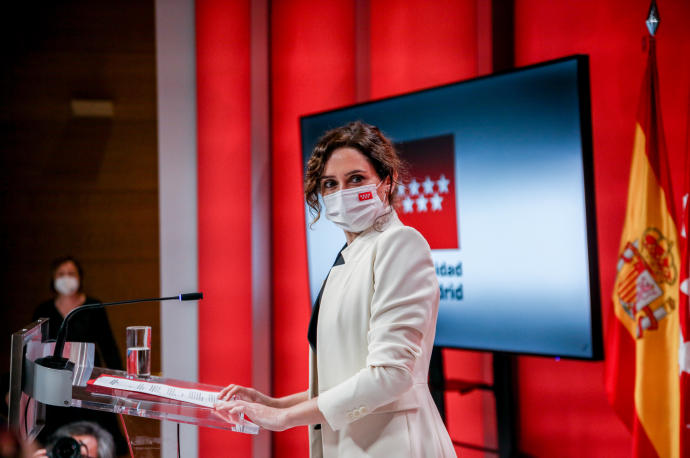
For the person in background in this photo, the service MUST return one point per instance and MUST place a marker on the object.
(94, 441)
(67, 285)
(89, 326)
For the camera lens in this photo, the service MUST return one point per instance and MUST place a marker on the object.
(65, 447)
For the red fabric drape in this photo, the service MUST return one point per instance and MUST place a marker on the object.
(224, 207)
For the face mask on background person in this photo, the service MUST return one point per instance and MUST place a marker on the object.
(66, 284)
(355, 209)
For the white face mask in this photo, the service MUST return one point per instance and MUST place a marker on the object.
(354, 209)
(66, 285)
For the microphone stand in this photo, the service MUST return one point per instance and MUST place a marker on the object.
(52, 375)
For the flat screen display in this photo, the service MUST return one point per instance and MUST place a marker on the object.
(501, 185)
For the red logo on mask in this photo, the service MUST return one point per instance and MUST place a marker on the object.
(365, 196)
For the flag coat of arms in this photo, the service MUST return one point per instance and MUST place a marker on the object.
(427, 197)
(643, 333)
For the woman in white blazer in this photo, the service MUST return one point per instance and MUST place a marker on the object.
(374, 322)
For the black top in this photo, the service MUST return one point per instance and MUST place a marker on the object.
(87, 326)
(314, 320)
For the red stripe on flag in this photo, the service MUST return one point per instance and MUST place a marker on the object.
(642, 446)
(684, 414)
(649, 118)
(620, 371)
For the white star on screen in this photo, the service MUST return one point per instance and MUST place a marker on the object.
(421, 203)
(443, 183)
(414, 187)
(425, 194)
(407, 205)
(436, 203)
(428, 186)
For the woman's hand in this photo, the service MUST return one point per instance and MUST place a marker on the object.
(270, 418)
(244, 393)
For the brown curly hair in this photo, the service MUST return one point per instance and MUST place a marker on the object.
(366, 139)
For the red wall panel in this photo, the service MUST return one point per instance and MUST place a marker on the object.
(312, 60)
(470, 417)
(563, 407)
(417, 44)
(224, 165)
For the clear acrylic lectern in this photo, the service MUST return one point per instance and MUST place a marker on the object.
(100, 389)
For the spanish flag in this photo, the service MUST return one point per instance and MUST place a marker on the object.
(643, 334)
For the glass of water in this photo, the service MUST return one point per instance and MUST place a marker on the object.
(139, 351)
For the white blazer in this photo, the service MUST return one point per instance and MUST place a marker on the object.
(374, 339)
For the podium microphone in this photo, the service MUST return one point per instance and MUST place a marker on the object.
(56, 361)
(51, 376)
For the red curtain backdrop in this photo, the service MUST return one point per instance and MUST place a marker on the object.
(417, 44)
(312, 69)
(563, 406)
(224, 164)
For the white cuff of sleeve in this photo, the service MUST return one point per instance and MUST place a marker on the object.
(336, 412)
